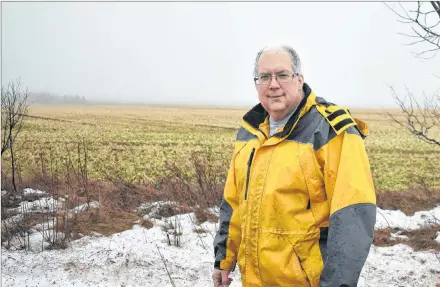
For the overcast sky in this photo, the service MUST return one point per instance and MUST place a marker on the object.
(203, 53)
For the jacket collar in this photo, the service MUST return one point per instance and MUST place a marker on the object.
(258, 115)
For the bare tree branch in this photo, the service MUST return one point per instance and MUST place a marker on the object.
(422, 30)
(418, 120)
(436, 5)
(13, 110)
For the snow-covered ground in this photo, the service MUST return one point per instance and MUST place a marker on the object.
(137, 257)
(398, 219)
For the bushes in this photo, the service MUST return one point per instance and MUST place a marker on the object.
(74, 205)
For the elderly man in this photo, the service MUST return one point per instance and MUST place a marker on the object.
(299, 205)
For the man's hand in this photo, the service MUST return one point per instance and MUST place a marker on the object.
(221, 278)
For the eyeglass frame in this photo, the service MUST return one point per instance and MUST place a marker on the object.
(276, 77)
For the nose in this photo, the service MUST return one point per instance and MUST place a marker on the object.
(274, 83)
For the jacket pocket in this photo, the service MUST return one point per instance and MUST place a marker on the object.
(249, 164)
(279, 263)
(299, 269)
(309, 257)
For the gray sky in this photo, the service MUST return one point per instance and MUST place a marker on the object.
(203, 53)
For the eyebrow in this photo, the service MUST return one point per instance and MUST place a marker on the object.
(279, 72)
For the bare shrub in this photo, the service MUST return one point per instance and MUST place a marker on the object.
(14, 105)
(198, 185)
(173, 231)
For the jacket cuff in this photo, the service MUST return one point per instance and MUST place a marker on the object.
(225, 265)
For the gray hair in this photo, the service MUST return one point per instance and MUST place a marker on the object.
(296, 61)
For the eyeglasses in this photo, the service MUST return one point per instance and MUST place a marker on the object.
(266, 79)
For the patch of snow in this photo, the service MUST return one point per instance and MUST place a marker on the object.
(45, 225)
(132, 258)
(152, 209)
(43, 205)
(398, 219)
(214, 210)
(4, 192)
(27, 191)
(438, 237)
(399, 265)
(85, 206)
(398, 235)
(129, 258)
(37, 241)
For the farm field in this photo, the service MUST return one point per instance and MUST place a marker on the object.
(133, 142)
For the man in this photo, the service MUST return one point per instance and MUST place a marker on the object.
(299, 204)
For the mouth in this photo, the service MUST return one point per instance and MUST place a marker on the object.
(275, 96)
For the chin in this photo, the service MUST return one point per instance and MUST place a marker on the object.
(276, 107)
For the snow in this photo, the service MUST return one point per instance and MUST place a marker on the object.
(398, 219)
(43, 205)
(129, 258)
(28, 191)
(397, 235)
(85, 206)
(133, 257)
(438, 237)
(399, 265)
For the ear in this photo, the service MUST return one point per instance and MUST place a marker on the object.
(300, 82)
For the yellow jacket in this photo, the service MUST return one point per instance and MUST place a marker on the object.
(299, 207)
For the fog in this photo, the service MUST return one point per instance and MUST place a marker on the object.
(203, 53)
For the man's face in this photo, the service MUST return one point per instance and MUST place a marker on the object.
(279, 99)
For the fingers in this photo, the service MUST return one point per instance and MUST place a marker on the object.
(217, 279)
(221, 278)
(226, 281)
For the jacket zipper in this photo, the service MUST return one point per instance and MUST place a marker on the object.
(248, 173)
(263, 133)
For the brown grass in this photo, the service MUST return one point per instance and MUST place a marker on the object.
(202, 215)
(200, 230)
(382, 237)
(409, 201)
(116, 212)
(105, 225)
(419, 239)
(424, 238)
(146, 223)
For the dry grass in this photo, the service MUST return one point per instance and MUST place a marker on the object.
(202, 215)
(382, 237)
(105, 223)
(424, 238)
(146, 223)
(410, 200)
(420, 239)
(133, 143)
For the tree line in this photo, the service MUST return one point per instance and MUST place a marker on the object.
(52, 99)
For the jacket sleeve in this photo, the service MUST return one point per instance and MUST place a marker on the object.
(228, 237)
(352, 201)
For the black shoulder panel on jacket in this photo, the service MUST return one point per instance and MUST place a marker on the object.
(313, 128)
